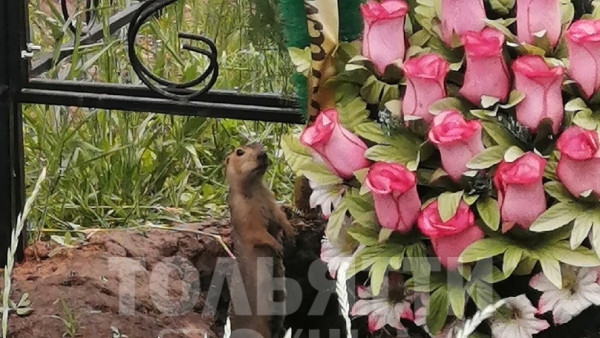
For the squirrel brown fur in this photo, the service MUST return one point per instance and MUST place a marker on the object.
(258, 228)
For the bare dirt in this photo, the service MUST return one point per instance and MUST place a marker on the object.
(91, 291)
(129, 283)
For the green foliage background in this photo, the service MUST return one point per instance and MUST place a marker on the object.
(112, 169)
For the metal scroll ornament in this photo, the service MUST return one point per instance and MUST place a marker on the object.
(174, 90)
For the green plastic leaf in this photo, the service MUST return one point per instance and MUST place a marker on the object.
(353, 113)
(484, 114)
(301, 59)
(489, 212)
(384, 234)
(437, 310)
(500, 135)
(397, 260)
(456, 296)
(363, 259)
(575, 105)
(418, 260)
(336, 221)
(526, 266)
(386, 153)
(372, 89)
(558, 191)
(377, 274)
(319, 173)
(551, 269)
(357, 203)
(437, 174)
(370, 131)
(514, 98)
(556, 216)
(364, 235)
(361, 174)
(581, 256)
(493, 275)
(595, 238)
(394, 106)
(512, 154)
(581, 228)
(585, 119)
(448, 204)
(483, 248)
(567, 12)
(470, 199)
(295, 153)
(445, 104)
(488, 101)
(482, 294)
(502, 7)
(501, 26)
(419, 38)
(487, 158)
(512, 257)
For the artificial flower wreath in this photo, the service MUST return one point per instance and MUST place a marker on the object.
(462, 151)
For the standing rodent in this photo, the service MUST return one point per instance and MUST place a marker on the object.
(258, 229)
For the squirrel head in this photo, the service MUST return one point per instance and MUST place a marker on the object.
(246, 164)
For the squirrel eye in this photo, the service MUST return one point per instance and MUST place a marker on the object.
(239, 152)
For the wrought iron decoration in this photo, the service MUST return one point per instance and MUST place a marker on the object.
(164, 87)
(18, 86)
(148, 9)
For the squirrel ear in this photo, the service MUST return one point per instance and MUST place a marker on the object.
(227, 161)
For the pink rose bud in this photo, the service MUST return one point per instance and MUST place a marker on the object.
(520, 191)
(449, 238)
(342, 151)
(425, 76)
(457, 139)
(534, 16)
(460, 16)
(541, 85)
(394, 189)
(583, 43)
(579, 165)
(486, 72)
(383, 34)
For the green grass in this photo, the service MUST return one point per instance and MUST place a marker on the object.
(119, 169)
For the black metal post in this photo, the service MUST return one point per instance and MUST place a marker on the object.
(13, 74)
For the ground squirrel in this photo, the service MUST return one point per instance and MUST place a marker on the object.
(258, 229)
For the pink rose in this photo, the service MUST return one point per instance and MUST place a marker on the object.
(425, 76)
(579, 165)
(342, 151)
(449, 238)
(383, 35)
(460, 16)
(394, 189)
(486, 72)
(520, 191)
(541, 85)
(583, 43)
(534, 16)
(457, 140)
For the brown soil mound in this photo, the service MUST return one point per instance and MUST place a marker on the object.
(91, 291)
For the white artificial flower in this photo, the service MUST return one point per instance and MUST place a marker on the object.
(334, 255)
(328, 197)
(383, 310)
(449, 330)
(421, 311)
(580, 291)
(520, 321)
